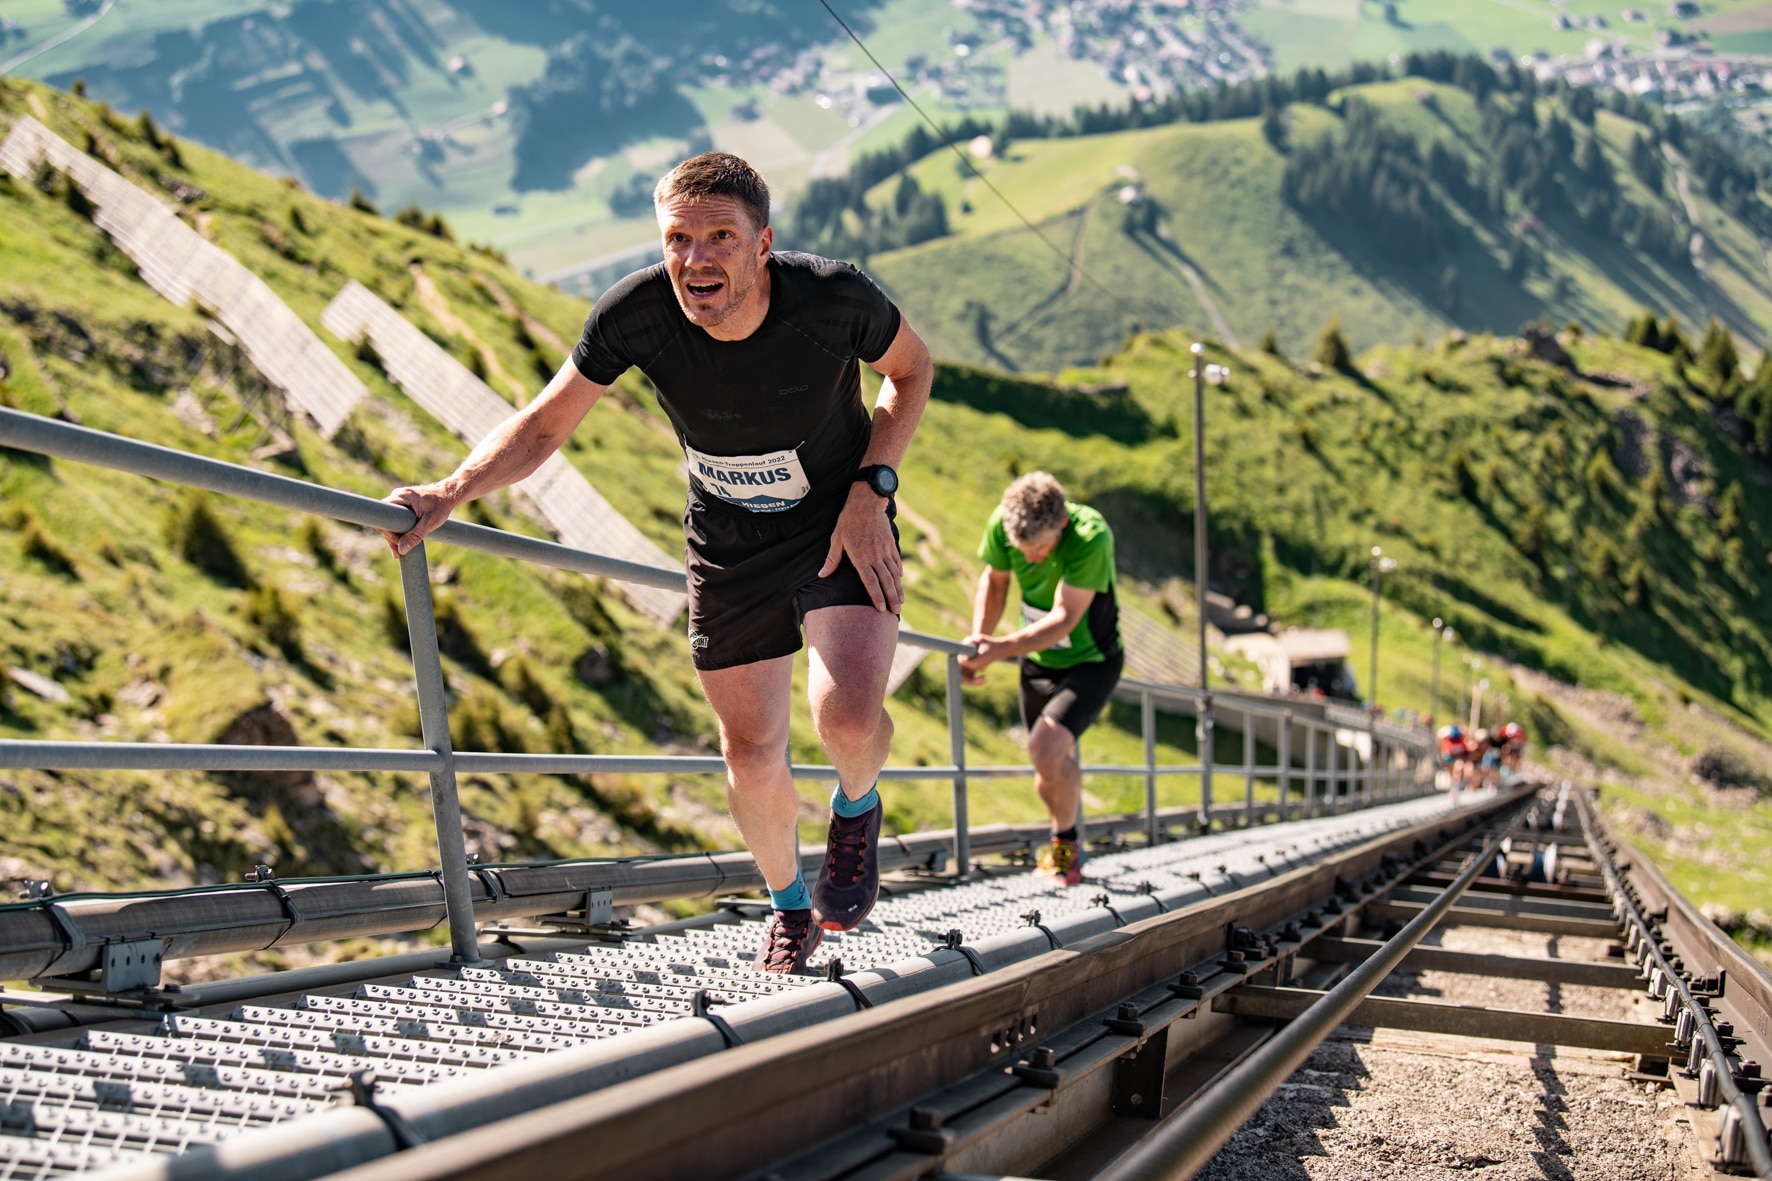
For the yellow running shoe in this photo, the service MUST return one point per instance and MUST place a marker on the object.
(1062, 861)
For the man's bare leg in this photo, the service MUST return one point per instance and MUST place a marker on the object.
(850, 650)
(1058, 776)
(752, 702)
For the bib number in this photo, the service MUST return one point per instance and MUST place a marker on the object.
(770, 483)
(1031, 615)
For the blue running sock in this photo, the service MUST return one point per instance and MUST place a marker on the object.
(849, 809)
(794, 897)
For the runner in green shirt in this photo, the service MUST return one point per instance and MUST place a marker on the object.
(1061, 556)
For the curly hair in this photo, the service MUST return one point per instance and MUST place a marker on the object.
(717, 174)
(1033, 507)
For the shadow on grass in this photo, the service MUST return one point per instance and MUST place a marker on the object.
(1113, 414)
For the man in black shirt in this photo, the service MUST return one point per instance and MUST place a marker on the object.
(789, 515)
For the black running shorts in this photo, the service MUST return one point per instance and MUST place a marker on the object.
(754, 576)
(1073, 697)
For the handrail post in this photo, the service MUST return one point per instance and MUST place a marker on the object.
(433, 716)
(1248, 768)
(1310, 770)
(1147, 708)
(1283, 758)
(957, 756)
(1331, 787)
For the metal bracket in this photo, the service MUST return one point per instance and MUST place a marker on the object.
(1138, 1078)
(122, 968)
(833, 972)
(594, 916)
(1032, 919)
(955, 941)
(701, 1005)
(361, 1086)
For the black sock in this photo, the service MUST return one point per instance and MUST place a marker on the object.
(1069, 834)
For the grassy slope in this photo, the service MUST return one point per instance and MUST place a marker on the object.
(190, 636)
(1306, 473)
(992, 293)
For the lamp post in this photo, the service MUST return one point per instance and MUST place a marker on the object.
(1200, 566)
(1471, 665)
(1380, 565)
(1441, 632)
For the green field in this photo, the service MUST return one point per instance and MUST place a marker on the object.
(358, 93)
(993, 293)
(1332, 33)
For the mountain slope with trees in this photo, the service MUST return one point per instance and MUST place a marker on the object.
(1452, 196)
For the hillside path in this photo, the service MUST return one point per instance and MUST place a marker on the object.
(434, 302)
(1219, 324)
(1684, 188)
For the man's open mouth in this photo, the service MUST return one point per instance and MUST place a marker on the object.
(703, 290)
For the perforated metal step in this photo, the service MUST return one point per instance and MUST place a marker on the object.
(197, 1080)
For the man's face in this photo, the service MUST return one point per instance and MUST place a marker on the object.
(1041, 547)
(713, 254)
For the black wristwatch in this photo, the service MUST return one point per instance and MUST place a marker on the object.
(881, 478)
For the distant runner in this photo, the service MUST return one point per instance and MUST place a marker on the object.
(1061, 556)
(1455, 753)
(1513, 739)
(790, 511)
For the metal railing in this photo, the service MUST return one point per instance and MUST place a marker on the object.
(1395, 764)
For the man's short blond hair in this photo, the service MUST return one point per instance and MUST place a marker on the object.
(717, 174)
(1033, 508)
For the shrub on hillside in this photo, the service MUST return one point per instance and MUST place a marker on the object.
(518, 678)
(35, 542)
(1332, 351)
(197, 535)
(478, 723)
(1722, 767)
(313, 539)
(277, 618)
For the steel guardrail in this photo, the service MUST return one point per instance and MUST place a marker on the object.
(1382, 776)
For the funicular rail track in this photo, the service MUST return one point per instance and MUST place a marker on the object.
(1130, 1053)
(1120, 1031)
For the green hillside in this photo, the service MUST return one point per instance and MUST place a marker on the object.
(173, 637)
(1405, 208)
(1599, 540)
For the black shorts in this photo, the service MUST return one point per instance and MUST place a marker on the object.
(1073, 697)
(754, 576)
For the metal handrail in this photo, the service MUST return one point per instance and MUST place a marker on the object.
(1378, 779)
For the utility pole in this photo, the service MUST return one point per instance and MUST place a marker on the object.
(1200, 566)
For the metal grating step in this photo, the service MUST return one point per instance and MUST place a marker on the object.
(200, 1079)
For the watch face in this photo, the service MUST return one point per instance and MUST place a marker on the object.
(885, 480)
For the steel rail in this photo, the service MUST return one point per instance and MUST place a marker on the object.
(1645, 941)
(1182, 1144)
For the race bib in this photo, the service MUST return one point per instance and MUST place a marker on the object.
(761, 483)
(1031, 615)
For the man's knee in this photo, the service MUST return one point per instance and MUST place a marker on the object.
(847, 724)
(746, 757)
(1050, 744)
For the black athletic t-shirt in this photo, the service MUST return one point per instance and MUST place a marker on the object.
(774, 422)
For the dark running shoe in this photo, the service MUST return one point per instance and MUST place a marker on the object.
(849, 880)
(790, 938)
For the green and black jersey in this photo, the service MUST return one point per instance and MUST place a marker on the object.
(1083, 558)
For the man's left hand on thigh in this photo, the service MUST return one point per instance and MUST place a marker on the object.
(864, 532)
